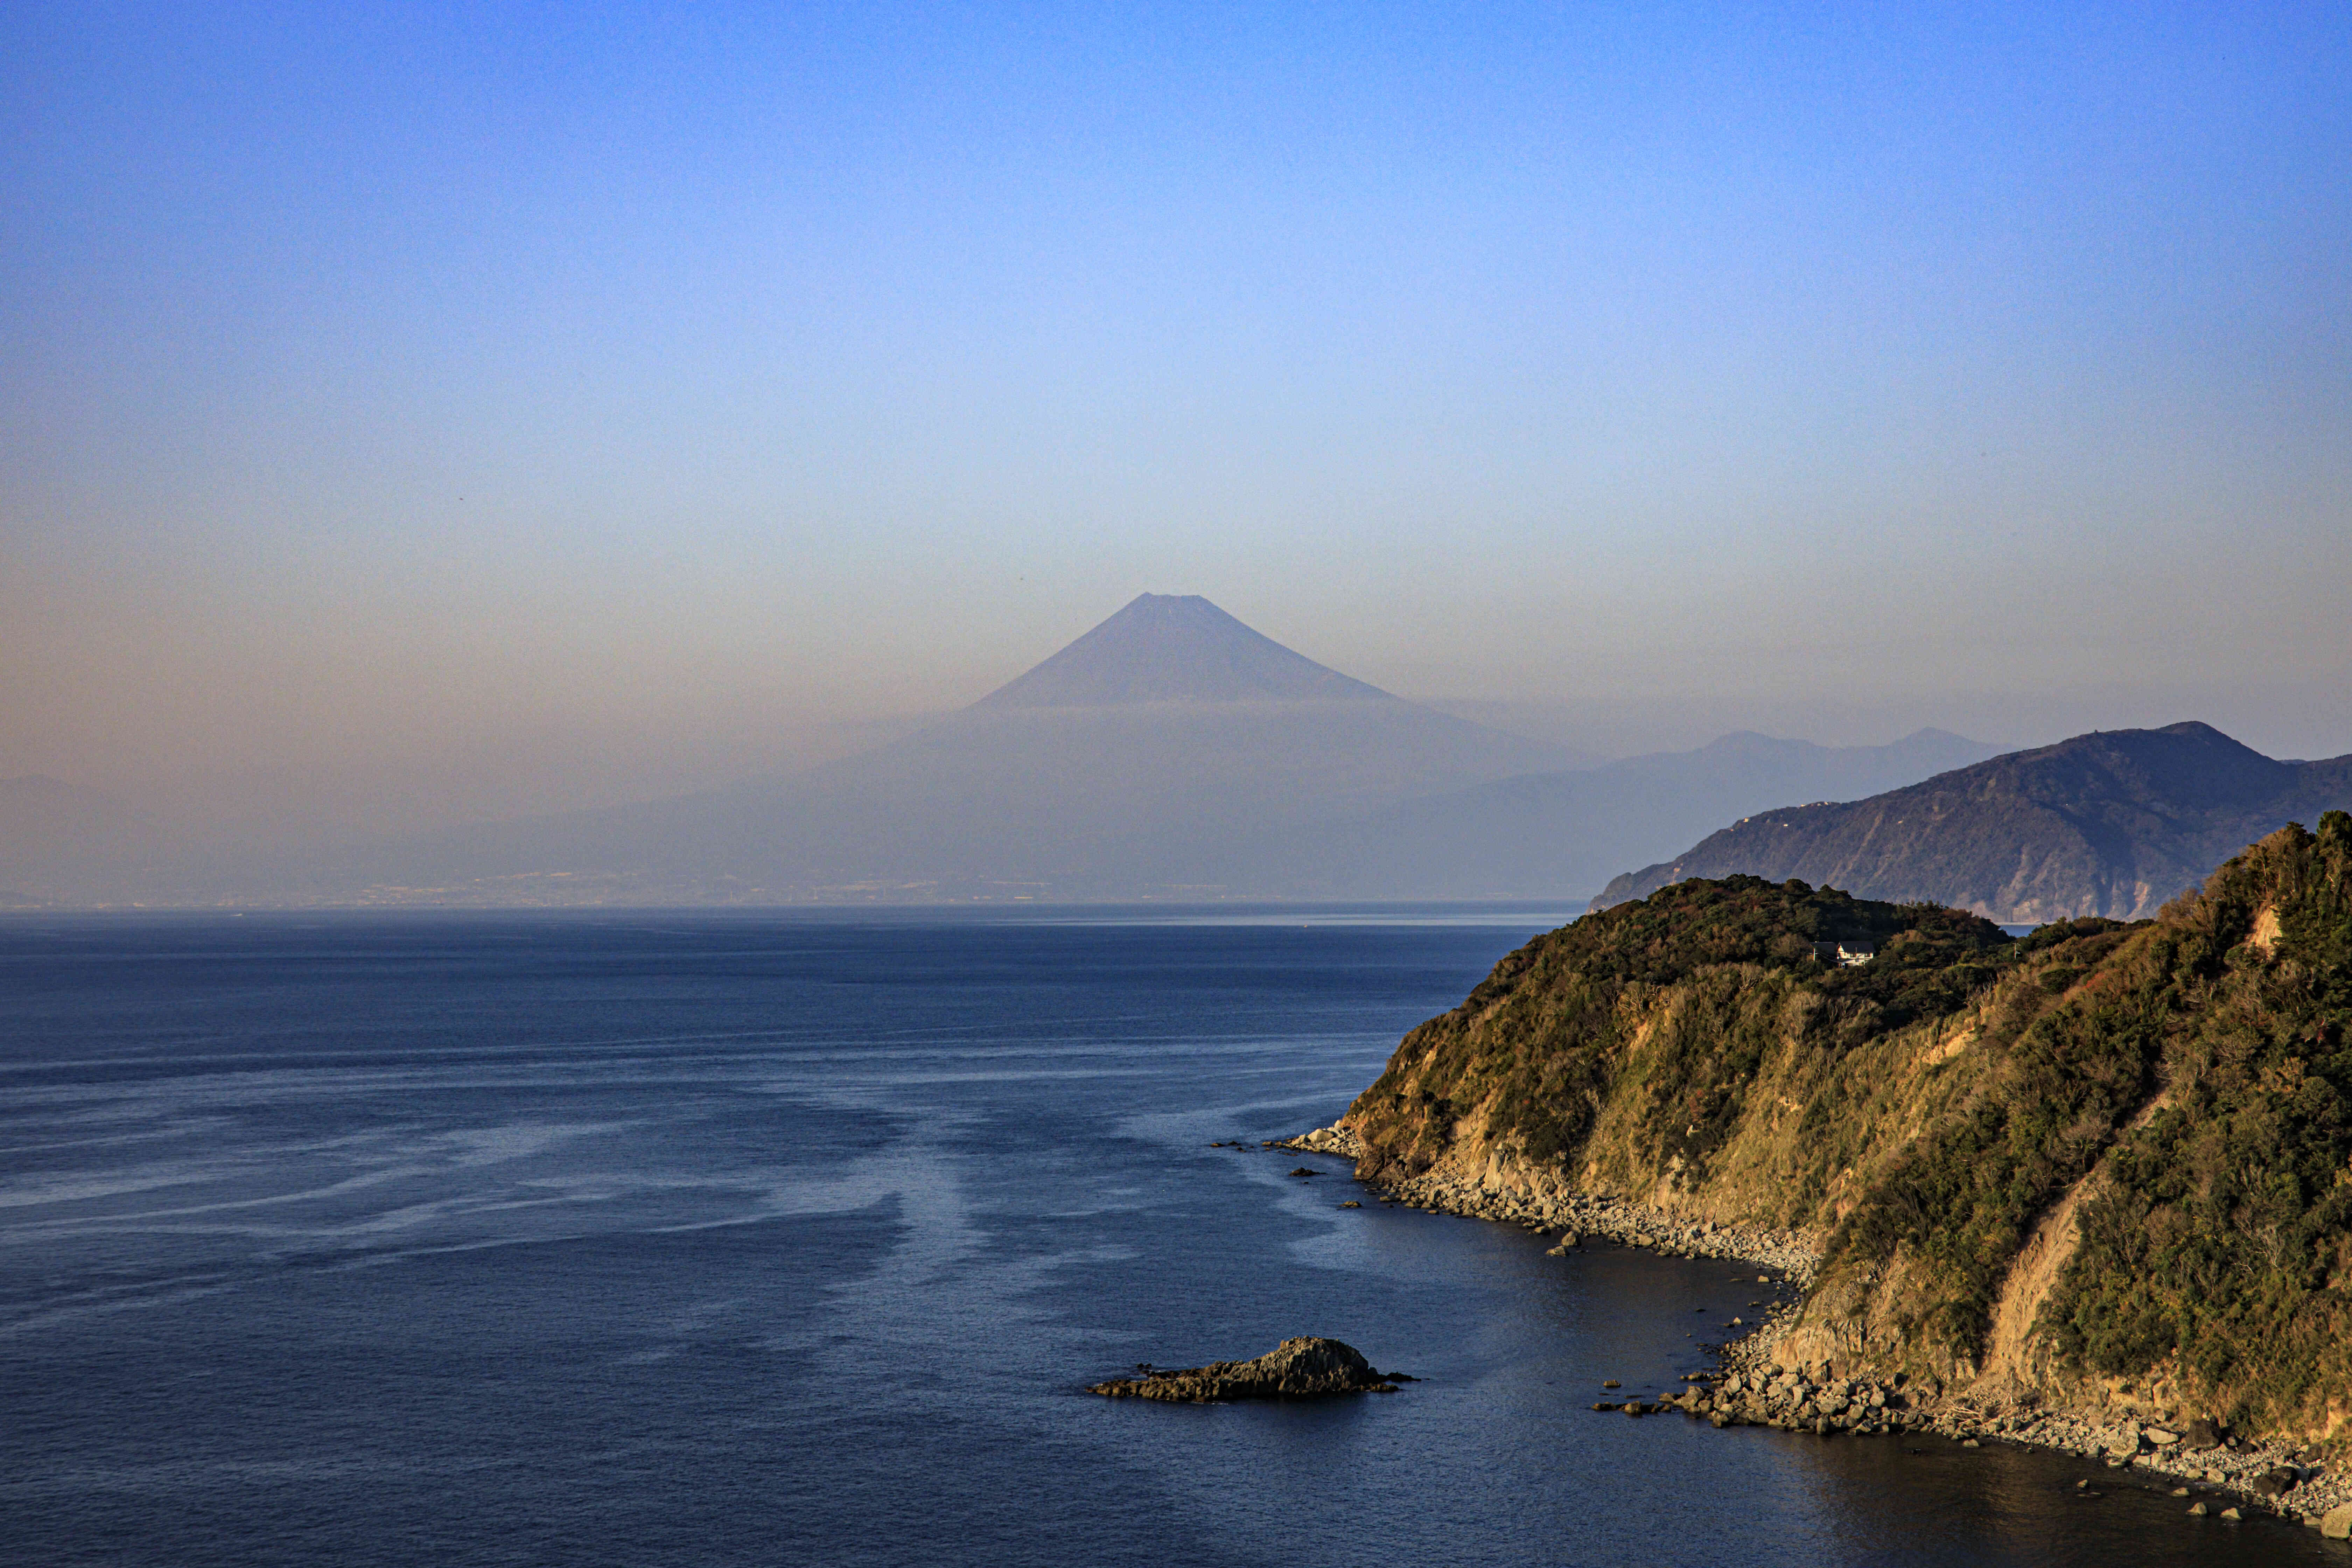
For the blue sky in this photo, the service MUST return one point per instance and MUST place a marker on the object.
(503, 391)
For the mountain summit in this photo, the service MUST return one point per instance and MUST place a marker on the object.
(1170, 752)
(1176, 648)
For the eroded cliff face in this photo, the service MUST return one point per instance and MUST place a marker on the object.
(1693, 1053)
(2107, 1165)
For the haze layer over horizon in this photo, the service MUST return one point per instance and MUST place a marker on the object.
(475, 411)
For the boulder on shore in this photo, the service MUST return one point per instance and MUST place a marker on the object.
(1304, 1368)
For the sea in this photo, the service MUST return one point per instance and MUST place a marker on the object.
(796, 1237)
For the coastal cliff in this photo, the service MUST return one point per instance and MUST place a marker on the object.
(2106, 1168)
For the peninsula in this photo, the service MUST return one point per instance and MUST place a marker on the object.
(2098, 1179)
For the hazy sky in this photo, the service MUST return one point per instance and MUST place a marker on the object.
(417, 410)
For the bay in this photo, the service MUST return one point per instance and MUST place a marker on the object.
(794, 1237)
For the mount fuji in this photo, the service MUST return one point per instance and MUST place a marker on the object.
(1171, 752)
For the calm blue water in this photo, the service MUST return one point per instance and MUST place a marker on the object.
(636, 1239)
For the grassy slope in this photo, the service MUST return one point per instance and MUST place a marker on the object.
(2189, 1078)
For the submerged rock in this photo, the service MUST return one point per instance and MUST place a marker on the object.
(1304, 1368)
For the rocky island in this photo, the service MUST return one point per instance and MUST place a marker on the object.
(1305, 1368)
(2091, 1188)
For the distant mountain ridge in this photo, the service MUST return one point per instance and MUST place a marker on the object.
(2113, 824)
(1546, 834)
(1190, 800)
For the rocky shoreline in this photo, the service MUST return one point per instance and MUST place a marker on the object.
(1753, 1384)
(1792, 1256)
